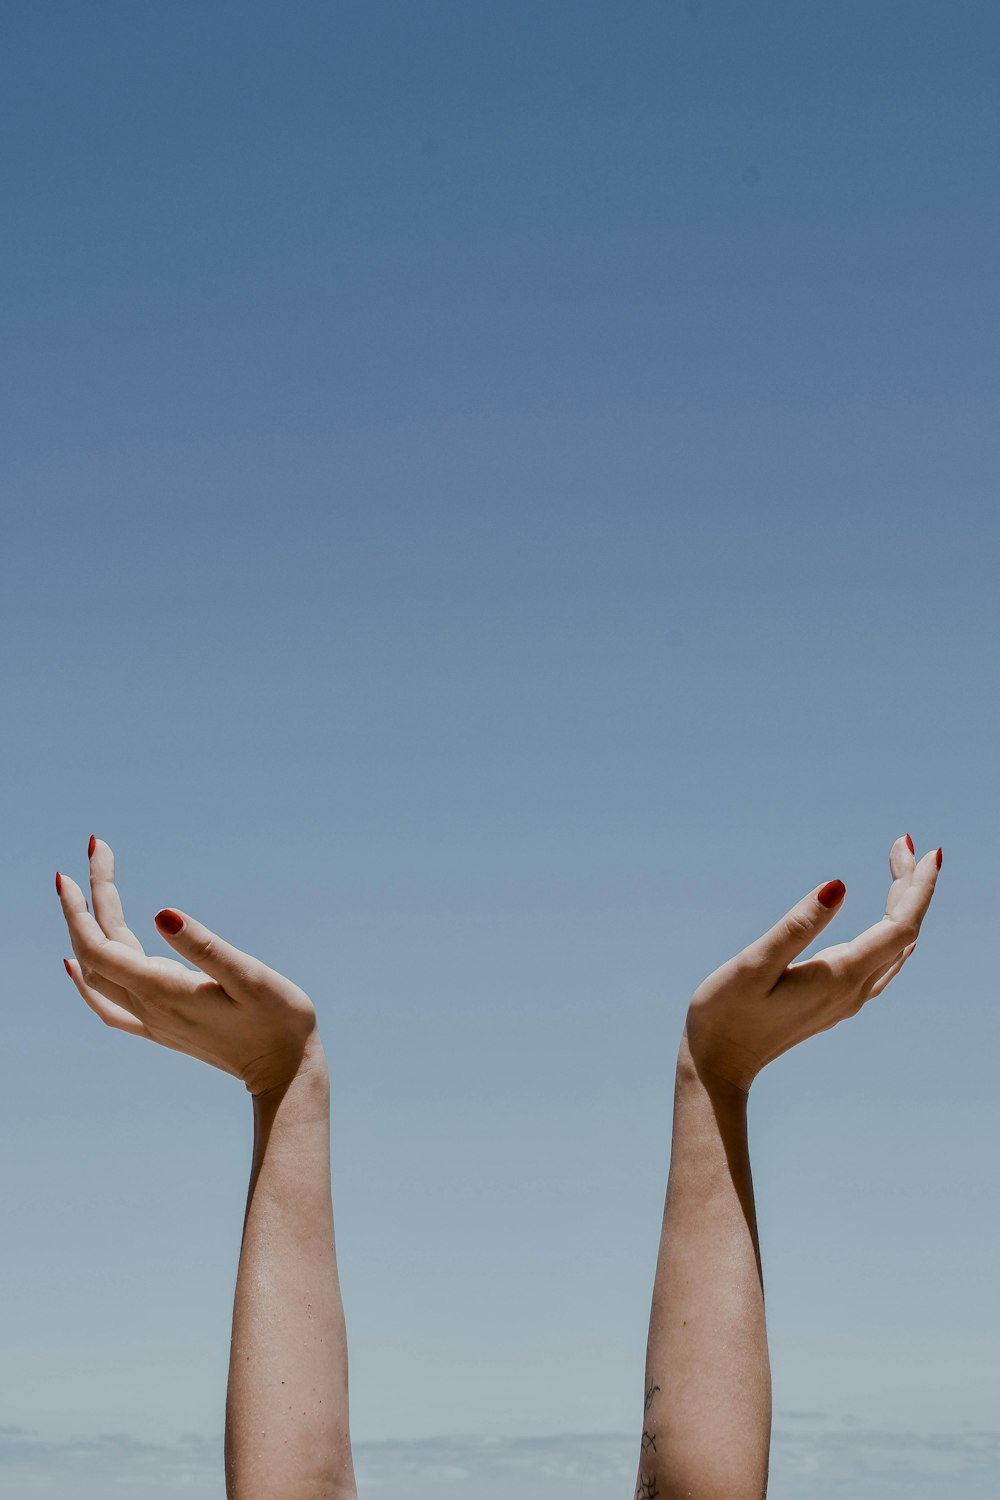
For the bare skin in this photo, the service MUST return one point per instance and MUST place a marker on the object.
(707, 1391)
(287, 1411)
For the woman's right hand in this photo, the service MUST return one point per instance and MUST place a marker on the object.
(761, 1003)
(231, 1011)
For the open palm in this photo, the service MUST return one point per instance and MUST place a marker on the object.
(761, 1003)
(231, 1011)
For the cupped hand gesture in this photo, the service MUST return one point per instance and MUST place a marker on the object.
(761, 1002)
(231, 1011)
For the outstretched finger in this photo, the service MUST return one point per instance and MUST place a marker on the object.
(902, 861)
(902, 866)
(772, 953)
(110, 1013)
(111, 959)
(238, 973)
(105, 898)
(882, 943)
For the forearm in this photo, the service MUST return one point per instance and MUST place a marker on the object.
(708, 1397)
(287, 1413)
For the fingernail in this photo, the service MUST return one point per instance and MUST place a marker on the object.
(168, 921)
(66, 966)
(58, 884)
(938, 858)
(909, 843)
(91, 847)
(831, 894)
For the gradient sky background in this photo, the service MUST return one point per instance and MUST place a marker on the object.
(501, 500)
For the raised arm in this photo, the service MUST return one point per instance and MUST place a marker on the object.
(286, 1415)
(707, 1394)
(286, 1411)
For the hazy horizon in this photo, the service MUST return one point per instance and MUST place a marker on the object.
(812, 1459)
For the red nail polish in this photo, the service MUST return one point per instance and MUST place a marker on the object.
(939, 859)
(58, 884)
(66, 966)
(831, 894)
(909, 843)
(91, 847)
(168, 921)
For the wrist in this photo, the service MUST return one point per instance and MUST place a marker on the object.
(306, 1090)
(724, 1073)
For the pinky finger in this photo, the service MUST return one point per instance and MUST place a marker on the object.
(890, 973)
(110, 1013)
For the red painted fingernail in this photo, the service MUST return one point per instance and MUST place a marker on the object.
(58, 884)
(938, 857)
(91, 847)
(831, 894)
(169, 921)
(66, 966)
(909, 843)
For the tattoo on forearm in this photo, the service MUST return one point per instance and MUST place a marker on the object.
(646, 1488)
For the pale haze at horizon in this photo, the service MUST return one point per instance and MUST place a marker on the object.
(501, 502)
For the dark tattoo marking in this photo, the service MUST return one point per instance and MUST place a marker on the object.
(650, 1394)
(646, 1489)
(648, 1441)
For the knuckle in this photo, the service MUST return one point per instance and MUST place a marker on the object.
(834, 974)
(203, 945)
(798, 926)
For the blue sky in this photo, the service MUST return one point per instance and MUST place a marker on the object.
(501, 500)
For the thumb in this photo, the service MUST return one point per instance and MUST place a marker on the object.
(797, 929)
(236, 971)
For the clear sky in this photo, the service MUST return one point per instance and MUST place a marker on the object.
(500, 500)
